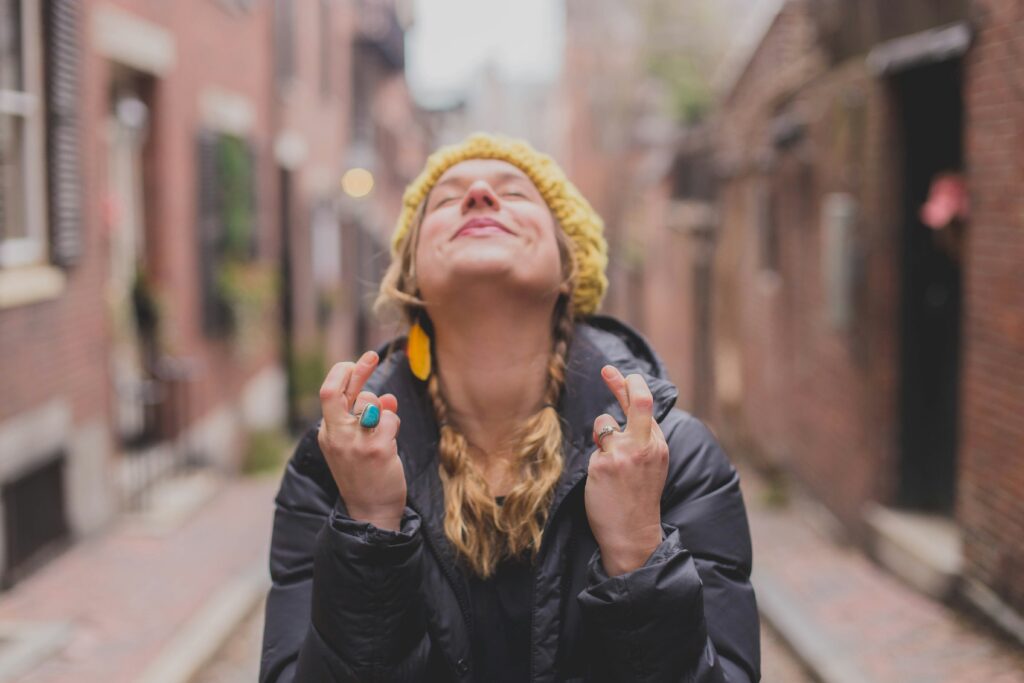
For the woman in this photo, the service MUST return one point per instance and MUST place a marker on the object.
(469, 508)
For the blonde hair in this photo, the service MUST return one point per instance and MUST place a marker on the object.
(481, 531)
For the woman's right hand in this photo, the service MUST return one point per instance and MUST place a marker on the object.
(364, 462)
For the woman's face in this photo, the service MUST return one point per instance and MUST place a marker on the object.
(485, 219)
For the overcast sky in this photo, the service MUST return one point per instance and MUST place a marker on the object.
(451, 40)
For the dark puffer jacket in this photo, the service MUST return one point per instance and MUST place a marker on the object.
(351, 602)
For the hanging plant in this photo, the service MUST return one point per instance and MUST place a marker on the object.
(238, 203)
(244, 287)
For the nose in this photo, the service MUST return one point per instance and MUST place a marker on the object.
(480, 195)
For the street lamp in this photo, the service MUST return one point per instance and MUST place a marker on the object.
(357, 182)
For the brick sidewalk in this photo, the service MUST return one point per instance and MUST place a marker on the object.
(127, 593)
(851, 621)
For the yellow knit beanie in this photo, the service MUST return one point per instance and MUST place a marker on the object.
(573, 212)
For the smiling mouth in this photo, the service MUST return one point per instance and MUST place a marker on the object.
(481, 226)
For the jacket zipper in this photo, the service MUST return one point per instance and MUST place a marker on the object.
(449, 572)
(536, 577)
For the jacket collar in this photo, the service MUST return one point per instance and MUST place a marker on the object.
(597, 341)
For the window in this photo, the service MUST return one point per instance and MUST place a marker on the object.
(232, 277)
(22, 135)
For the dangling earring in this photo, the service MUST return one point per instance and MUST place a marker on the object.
(417, 349)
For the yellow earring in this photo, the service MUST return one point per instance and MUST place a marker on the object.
(417, 348)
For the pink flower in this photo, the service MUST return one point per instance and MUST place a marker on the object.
(947, 200)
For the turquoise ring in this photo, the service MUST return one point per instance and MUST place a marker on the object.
(370, 416)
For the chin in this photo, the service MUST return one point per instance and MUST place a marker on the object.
(493, 266)
(484, 260)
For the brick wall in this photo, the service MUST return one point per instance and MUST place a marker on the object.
(60, 348)
(799, 391)
(991, 467)
(57, 347)
(242, 66)
(822, 401)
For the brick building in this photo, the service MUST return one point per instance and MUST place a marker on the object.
(113, 345)
(633, 92)
(172, 226)
(342, 106)
(876, 358)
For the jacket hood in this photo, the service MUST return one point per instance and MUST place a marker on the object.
(601, 340)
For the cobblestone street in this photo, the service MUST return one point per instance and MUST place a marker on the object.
(851, 619)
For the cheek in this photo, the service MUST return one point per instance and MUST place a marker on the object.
(548, 257)
(429, 228)
(429, 234)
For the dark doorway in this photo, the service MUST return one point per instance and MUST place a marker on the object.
(130, 190)
(931, 106)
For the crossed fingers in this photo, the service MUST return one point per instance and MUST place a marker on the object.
(341, 394)
(637, 403)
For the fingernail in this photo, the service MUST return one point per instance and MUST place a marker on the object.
(368, 358)
(608, 371)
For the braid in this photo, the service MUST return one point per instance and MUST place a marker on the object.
(480, 530)
(539, 458)
(471, 514)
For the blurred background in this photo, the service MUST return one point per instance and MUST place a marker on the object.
(815, 213)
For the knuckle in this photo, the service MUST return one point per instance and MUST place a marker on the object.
(327, 441)
(340, 367)
(643, 400)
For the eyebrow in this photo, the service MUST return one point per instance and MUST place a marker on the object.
(500, 177)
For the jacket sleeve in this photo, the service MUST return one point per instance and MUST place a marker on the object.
(688, 613)
(344, 601)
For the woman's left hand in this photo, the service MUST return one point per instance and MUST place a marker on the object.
(626, 477)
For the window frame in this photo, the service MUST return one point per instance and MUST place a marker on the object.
(30, 104)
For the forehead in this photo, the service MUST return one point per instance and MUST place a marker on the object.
(470, 170)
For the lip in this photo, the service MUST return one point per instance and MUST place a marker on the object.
(473, 225)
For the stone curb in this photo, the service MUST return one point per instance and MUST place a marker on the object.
(822, 656)
(203, 635)
(27, 644)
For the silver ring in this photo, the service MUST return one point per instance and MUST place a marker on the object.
(605, 431)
